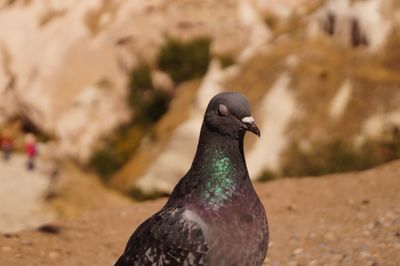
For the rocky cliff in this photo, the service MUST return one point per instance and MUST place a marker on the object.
(324, 87)
(322, 77)
(64, 65)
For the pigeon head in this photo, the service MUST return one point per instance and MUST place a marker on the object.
(228, 113)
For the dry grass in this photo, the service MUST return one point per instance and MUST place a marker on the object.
(259, 74)
(323, 68)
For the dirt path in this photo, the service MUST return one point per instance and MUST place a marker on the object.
(21, 196)
(349, 219)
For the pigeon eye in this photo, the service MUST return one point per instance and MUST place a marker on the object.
(223, 110)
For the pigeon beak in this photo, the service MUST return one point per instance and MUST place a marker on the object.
(248, 124)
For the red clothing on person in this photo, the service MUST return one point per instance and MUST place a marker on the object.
(30, 150)
(6, 143)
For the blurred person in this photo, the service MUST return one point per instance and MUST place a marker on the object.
(6, 145)
(31, 151)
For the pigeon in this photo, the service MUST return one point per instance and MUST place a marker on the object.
(213, 215)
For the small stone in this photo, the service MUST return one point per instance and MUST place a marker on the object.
(18, 255)
(8, 235)
(365, 254)
(291, 208)
(365, 201)
(297, 251)
(390, 215)
(26, 242)
(54, 255)
(6, 248)
(365, 232)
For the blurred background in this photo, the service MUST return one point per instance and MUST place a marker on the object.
(102, 100)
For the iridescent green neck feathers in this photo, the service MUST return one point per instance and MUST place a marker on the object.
(220, 185)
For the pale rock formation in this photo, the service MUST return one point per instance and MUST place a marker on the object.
(65, 66)
(55, 49)
(377, 125)
(362, 23)
(41, 57)
(284, 8)
(8, 100)
(341, 100)
(94, 114)
(259, 33)
(277, 109)
(162, 81)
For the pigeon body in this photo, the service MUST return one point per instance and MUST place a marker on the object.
(213, 216)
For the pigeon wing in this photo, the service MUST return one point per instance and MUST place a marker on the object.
(169, 237)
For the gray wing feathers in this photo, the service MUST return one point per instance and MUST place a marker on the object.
(166, 238)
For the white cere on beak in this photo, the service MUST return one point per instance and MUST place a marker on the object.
(248, 119)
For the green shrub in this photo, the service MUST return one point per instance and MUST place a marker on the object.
(105, 162)
(185, 60)
(268, 175)
(147, 105)
(152, 109)
(139, 84)
(226, 60)
(338, 156)
(119, 148)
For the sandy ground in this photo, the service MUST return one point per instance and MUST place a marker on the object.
(348, 219)
(22, 196)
